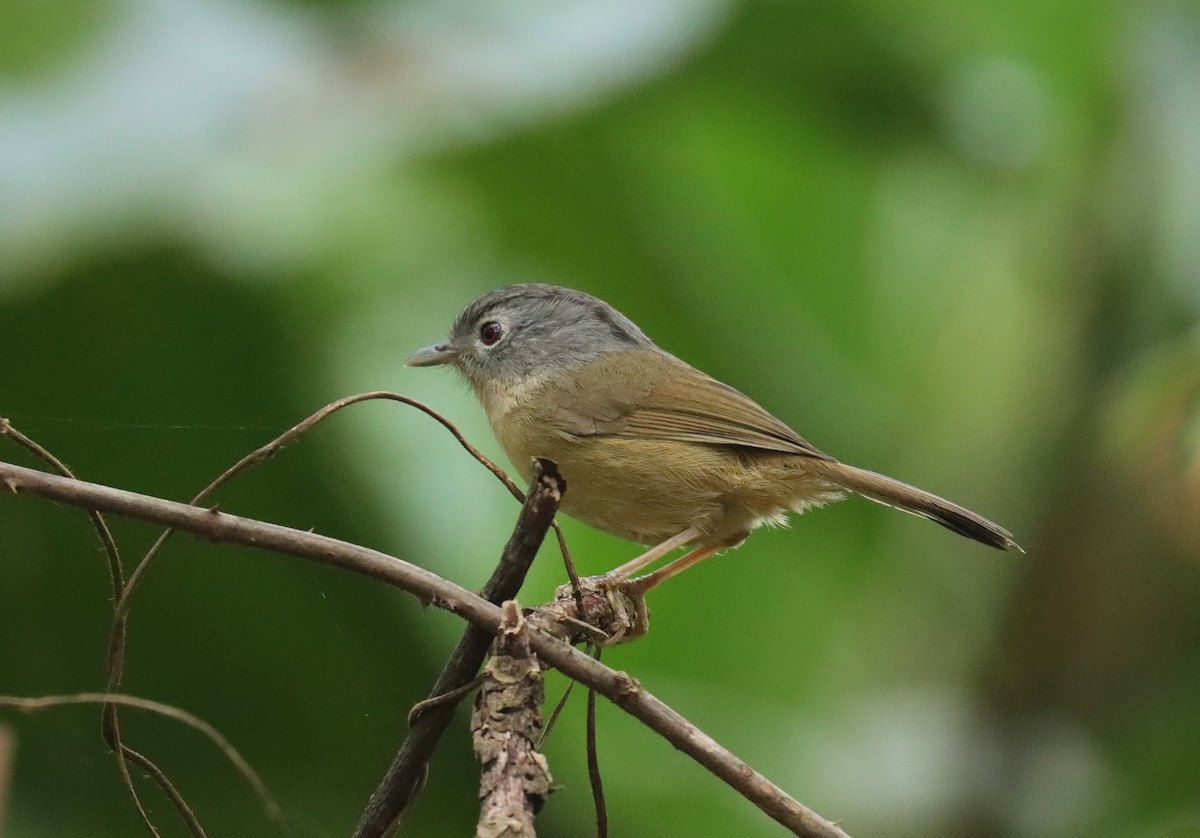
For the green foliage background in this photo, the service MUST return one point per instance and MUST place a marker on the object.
(956, 243)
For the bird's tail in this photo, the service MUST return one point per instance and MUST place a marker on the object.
(916, 501)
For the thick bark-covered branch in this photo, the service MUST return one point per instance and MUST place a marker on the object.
(618, 687)
(505, 727)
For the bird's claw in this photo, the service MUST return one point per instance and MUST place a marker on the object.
(614, 605)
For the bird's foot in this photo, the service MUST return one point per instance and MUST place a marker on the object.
(614, 605)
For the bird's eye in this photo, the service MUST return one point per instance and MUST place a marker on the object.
(490, 332)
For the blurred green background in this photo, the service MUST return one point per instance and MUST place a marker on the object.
(956, 243)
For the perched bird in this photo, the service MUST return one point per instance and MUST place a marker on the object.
(653, 450)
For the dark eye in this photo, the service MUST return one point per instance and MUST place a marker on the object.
(490, 332)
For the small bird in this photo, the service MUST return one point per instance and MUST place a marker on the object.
(652, 449)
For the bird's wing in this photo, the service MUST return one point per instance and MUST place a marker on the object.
(666, 399)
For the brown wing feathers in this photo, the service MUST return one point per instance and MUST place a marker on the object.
(673, 400)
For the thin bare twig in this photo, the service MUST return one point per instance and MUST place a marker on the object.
(618, 687)
(265, 452)
(403, 780)
(452, 697)
(35, 704)
(182, 807)
(548, 728)
(593, 761)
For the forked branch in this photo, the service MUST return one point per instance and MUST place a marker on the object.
(402, 783)
(618, 687)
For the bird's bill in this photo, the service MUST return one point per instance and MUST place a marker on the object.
(432, 356)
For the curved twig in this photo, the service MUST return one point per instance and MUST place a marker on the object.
(38, 703)
(265, 452)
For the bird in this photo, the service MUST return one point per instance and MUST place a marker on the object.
(653, 450)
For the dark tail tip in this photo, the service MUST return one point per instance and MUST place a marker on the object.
(976, 529)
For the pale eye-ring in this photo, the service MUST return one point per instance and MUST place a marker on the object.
(490, 333)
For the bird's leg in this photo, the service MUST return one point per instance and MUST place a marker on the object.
(652, 555)
(642, 584)
(635, 589)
